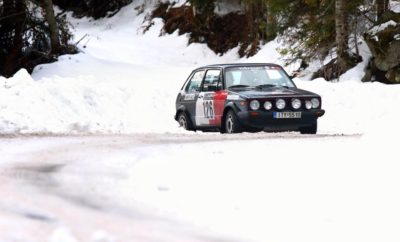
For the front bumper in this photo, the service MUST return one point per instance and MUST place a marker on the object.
(266, 120)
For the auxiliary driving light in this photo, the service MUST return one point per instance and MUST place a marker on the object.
(280, 104)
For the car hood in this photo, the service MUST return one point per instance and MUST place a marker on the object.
(273, 92)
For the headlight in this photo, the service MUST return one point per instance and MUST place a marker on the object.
(268, 105)
(254, 105)
(280, 104)
(296, 103)
(308, 104)
(315, 103)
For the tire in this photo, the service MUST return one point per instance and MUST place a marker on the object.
(232, 124)
(310, 129)
(184, 121)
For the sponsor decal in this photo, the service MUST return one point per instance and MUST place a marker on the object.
(209, 95)
(257, 68)
(233, 97)
(252, 68)
(189, 97)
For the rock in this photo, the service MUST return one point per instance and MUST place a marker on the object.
(332, 70)
(384, 42)
(368, 76)
(372, 73)
(385, 47)
(393, 75)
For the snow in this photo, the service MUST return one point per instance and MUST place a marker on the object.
(339, 188)
(62, 235)
(381, 27)
(117, 168)
(226, 7)
(395, 6)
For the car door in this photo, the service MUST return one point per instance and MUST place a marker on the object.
(206, 103)
(190, 93)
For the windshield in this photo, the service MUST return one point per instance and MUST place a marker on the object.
(257, 76)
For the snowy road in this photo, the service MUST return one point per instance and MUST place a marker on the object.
(198, 187)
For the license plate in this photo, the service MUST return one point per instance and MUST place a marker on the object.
(287, 115)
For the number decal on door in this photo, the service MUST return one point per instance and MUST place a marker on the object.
(209, 109)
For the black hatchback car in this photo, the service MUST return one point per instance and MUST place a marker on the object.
(233, 98)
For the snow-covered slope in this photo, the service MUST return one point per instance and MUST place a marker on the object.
(124, 81)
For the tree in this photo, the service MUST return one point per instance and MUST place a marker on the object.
(341, 35)
(27, 39)
(12, 19)
(52, 23)
(381, 7)
(92, 8)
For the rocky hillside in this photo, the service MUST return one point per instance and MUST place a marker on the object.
(384, 43)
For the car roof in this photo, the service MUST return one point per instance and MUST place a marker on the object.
(237, 65)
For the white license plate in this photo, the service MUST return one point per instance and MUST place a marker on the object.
(287, 115)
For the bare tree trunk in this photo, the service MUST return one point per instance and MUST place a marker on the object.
(387, 7)
(53, 28)
(382, 6)
(380, 9)
(341, 35)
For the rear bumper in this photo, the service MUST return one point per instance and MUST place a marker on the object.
(266, 120)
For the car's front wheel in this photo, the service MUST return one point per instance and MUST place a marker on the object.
(309, 129)
(232, 124)
(184, 122)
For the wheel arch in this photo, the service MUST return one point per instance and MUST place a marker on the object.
(229, 107)
(183, 109)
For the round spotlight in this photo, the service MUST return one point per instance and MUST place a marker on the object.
(296, 103)
(254, 105)
(280, 104)
(308, 104)
(268, 105)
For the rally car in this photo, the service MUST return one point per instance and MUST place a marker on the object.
(233, 98)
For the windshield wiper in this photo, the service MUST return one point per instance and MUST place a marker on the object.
(238, 86)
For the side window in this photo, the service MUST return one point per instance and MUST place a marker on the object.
(194, 83)
(212, 81)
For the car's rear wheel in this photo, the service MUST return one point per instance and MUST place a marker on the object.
(184, 122)
(232, 124)
(309, 129)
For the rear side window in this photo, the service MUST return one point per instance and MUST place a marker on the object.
(195, 82)
(212, 82)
